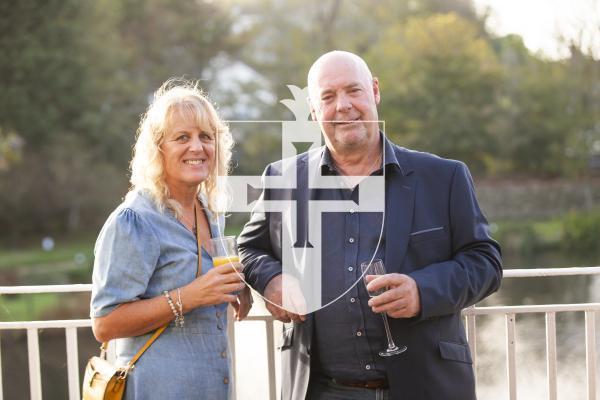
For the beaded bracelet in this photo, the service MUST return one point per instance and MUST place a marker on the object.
(178, 316)
(180, 306)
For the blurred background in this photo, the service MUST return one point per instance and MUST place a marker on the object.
(510, 87)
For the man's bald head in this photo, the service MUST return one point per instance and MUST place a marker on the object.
(332, 57)
(343, 96)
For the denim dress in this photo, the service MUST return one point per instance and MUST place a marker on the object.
(141, 252)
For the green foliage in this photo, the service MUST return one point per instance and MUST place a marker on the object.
(75, 76)
(10, 149)
(576, 234)
(439, 86)
(582, 232)
(34, 255)
(28, 307)
(524, 237)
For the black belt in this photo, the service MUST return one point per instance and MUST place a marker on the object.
(373, 384)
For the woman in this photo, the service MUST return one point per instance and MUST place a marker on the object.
(146, 256)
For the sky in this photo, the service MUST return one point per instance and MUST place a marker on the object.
(542, 22)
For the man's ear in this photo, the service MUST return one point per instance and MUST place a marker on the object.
(313, 115)
(376, 92)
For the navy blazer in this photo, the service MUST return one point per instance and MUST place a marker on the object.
(437, 234)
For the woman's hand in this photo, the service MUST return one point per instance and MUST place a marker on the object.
(214, 287)
(243, 304)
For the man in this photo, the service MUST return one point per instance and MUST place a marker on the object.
(435, 245)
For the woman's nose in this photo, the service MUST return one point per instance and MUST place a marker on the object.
(196, 145)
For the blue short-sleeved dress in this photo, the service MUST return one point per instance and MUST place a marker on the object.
(141, 252)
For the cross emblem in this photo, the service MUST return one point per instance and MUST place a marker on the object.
(289, 194)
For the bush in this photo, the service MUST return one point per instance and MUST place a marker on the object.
(581, 232)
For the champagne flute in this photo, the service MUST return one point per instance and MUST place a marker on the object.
(377, 268)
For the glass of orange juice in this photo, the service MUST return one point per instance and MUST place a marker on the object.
(223, 250)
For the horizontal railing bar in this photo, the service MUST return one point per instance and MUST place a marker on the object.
(80, 287)
(82, 323)
(539, 272)
(63, 323)
(259, 318)
(531, 309)
(508, 273)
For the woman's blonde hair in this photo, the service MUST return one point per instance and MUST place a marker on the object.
(176, 98)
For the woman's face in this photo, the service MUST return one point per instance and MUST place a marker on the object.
(188, 153)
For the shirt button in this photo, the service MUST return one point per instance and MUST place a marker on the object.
(226, 380)
(350, 269)
(352, 300)
(359, 333)
(351, 240)
(218, 314)
(368, 366)
(223, 354)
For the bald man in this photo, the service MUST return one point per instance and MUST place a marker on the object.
(435, 245)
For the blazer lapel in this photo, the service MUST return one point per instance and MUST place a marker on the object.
(399, 208)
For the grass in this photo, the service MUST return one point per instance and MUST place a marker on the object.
(26, 307)
(33, 255)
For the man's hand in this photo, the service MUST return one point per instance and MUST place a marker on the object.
(294, 303)
(243, 304)
(401, 300)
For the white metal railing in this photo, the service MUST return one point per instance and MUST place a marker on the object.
(470, 314)
(550, 311)
(70, 327)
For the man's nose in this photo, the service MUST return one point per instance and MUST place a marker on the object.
(343, 103)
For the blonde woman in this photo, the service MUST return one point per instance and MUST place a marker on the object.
(146, 256)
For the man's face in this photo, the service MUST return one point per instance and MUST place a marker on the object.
(344, 100)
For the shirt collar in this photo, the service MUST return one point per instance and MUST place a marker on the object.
(389, 156)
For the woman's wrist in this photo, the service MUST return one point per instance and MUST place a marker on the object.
(189, 299)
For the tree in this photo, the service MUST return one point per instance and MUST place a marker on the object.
(439, 79)
(75, 76)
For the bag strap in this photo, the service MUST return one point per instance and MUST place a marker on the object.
(160, 330)
(141, 351)
(154, 336)
(197, 211)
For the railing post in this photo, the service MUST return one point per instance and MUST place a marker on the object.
(510, 356)
(271, 359)
(33, 351)
(111, 351)
(1, 390)
(590, 353)
(472, 339)
(72, 363)
(231, 343)
(551, 354)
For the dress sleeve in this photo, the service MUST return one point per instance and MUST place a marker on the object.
(126, 255)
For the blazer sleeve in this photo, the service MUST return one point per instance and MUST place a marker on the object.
(475, 270)
(255, 247)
